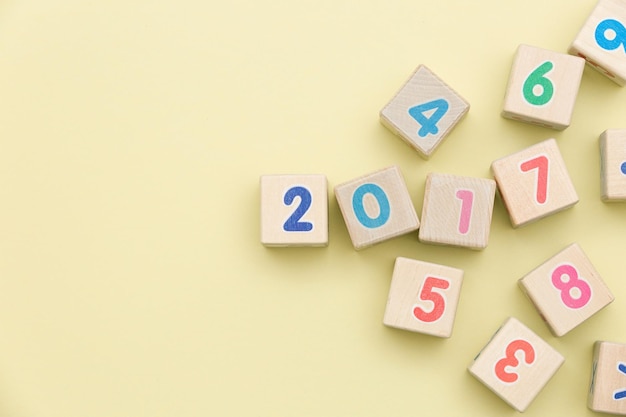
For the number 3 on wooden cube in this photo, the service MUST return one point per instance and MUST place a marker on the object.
(294, 210)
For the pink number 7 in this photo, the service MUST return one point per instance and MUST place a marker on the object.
(467, 200)
(540, 163)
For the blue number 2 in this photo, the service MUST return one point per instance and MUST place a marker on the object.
(618, 395)
(620, 35)
(383, 205)
(293, 223)
(429, 124)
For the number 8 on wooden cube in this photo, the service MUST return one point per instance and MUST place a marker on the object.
(423, 297)
(516, 364)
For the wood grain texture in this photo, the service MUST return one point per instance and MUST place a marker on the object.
(613, 165)
(607, 387)
(565, 75)
(423, 86)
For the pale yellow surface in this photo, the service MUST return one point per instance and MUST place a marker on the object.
(132, 277)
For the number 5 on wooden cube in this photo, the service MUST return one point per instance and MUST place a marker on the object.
(424, 111)
(566, 290)
(457, 210)
(423, 297)
(516, 364)
(294, 210)
(534, 183)
(607, 390)
(376, 207)
(542, 87)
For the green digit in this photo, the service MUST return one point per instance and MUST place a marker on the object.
(537, 78)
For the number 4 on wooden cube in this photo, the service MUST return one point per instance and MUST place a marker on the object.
(566, 290)
(516, 364)
(607, 389)
(542, 87)
(534, 183)
(423, 297)
(424, 111)
(294, 210)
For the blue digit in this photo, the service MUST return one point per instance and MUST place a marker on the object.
(620, 35)
(293, 223)
(429, 124)
(383, 205)
(620, 394)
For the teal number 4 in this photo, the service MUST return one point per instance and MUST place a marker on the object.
(424, 115)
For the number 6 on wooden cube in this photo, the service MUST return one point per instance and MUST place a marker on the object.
(534, 183)
(516, 364)
(423, 297)
(566, 290)
(294, 210)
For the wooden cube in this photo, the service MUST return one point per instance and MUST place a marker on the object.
(613, 165)
(457, 210)
(423, 297)
(516, 364)
(534, 183)
(601, 40)
(542, 87)
(424, 111)
(566, 290)
(376, 207)
(607, 390)
(294, 210)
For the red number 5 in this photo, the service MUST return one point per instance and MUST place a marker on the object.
(427, 294)
(511, 360)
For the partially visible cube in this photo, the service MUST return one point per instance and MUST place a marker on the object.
(457, 210)
(376, 207)
(423, 297)
(566, 290)
(516, 364)
(613, 165)
(294, 210)
(607, 390)
(543, 86)
(424, 111)
(534, 183)
(601, 39)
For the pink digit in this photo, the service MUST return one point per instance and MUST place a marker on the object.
(467, 201)
(573, 281)
(540, 163)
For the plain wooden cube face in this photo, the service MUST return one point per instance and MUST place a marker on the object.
(534, 183)
(613, 164)
(376, 207)
(423, 297)
(543, 86)
(607, 391)
(566, 290)
(457, 211)
(294, 210)
(600, 40)
(516, 364)
(424, 111)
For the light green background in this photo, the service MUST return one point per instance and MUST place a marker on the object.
(133, 134)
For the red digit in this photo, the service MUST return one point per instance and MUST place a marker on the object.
(510, 360)
(427, 294)
(540, 163)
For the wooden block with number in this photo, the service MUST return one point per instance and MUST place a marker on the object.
(607, 389)
(424, 111)
(376, 207)
(534, 183)
(613, 164)
(543, 86)
(601, 40)
(566, 290)
(516, 364)
(457, 210)
(294, 210)
(423, 297)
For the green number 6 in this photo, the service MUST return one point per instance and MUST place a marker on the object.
(537, 79)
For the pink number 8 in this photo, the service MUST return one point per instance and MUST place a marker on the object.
(573, 282)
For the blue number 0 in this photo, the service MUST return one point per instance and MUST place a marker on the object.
(293, 223)
(620, 35)
(383, 205)
(429, 124)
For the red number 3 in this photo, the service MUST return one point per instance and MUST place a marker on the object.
(511, 360)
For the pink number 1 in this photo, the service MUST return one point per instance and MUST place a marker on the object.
(467, 201)
(540, 163)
